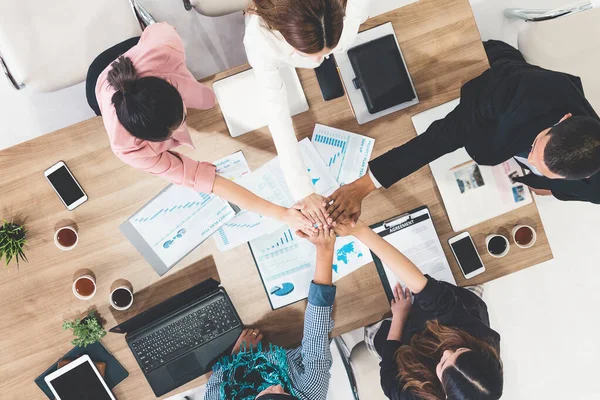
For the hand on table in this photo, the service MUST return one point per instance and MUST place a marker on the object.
(313, 207)
(298, 222)
(345, 203)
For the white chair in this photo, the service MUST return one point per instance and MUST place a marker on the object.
(49, 46)
(355, 371)
(566, 40)
(216, 8)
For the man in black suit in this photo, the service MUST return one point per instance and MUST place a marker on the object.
(513, 110)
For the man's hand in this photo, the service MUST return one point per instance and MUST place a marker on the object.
(345, 203)
(313, 207)
(323, 239)
(298, 222)
(541, 192)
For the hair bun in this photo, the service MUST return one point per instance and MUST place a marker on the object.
(122, 75)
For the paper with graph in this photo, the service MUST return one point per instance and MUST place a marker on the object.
(178, 220)
(269, 183)
(287, 263)
(346, 154)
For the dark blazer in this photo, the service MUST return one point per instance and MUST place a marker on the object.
(448, 304)
(499, 116)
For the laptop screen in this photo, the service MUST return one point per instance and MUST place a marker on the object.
(168, 306)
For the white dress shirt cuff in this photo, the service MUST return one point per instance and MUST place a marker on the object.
(375, 181)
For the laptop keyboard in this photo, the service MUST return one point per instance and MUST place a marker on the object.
(185, 334)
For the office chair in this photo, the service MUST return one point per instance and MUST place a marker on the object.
(565, 40)
(216, 8)
(49, 46)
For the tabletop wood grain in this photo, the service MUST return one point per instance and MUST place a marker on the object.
(443, 50)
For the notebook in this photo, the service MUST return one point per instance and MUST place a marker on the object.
(241, 105)
(114, 374)
(381, 74)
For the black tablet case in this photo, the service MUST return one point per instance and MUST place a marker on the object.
(381, 74)
(115, 373)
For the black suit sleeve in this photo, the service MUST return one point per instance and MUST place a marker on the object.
(442, 137)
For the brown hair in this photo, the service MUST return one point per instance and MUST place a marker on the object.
(476, 373)
(307, 25)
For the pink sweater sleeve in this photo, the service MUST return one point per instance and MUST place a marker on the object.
(173, 166)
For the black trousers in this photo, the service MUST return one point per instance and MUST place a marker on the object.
(99, 65)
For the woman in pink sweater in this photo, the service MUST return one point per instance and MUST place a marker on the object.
(143, 98)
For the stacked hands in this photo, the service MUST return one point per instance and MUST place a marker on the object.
(314, 212)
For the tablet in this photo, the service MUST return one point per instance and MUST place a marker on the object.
(78, 380)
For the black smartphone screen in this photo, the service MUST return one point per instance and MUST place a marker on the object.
(65, 185)
(467, 256)
(329, 79)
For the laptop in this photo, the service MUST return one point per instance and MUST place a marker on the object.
(184, 336)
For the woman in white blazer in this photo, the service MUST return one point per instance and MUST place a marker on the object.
(301, 34)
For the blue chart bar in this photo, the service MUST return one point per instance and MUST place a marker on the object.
(287, 237)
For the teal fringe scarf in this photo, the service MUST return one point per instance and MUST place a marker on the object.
(249, 372)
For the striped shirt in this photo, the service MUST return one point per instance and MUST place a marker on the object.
(310, 363)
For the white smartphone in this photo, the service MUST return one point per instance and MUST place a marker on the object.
(78, 380)
(466, 255)
(65, 185)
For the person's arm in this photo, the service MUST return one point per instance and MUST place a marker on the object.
(480, 103)
(316, 353)
(213, 386)
(442, 137)
(201, 177)
(242, 197)
(274, 93)
(402, 267)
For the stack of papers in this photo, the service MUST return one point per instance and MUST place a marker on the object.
(285, 262)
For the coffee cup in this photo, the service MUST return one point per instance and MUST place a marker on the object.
(121, 297)
(66, 237)
(524, 236)
(84, 287)
(497, 245)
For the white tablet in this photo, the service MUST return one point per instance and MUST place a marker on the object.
(78, 380)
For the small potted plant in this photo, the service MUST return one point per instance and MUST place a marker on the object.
(87, 331)
(12, 241)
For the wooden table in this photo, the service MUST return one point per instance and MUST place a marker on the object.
(443, 50)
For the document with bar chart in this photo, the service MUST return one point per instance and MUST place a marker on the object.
(346, 154)
(286, 263)
(176, 221)
(284, 267)
(269, 183)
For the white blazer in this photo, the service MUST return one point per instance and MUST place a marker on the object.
(267, 50)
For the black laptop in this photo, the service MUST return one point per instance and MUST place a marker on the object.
(182, 337)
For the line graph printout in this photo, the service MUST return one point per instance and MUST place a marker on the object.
(269, 183)
(233, 166)
(178, 220)
(346, 154)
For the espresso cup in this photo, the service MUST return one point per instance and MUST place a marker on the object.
(121, 298)
(497, 245)
(84, 287)
(524, 236)
(66, 238)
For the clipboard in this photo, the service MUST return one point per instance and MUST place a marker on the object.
(414, 234)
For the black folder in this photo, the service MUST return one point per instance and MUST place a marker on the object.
(381, 74)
